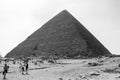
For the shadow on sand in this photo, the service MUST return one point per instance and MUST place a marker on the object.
(38, 68)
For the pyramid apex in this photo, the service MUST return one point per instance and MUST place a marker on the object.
(65, 11)
(64, 14)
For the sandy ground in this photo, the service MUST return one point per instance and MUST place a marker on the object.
(69, 69)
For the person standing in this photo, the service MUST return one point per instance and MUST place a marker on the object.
(26, 66)
(22, 68)
(5, 70)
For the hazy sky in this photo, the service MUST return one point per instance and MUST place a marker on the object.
(20, 18)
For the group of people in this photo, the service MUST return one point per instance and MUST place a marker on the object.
(23, 68)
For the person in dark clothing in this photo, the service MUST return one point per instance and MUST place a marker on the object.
(22, 70)
(26, 66)
(5, 68)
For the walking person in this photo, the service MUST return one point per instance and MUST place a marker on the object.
(26, 65)
(21, 68)
(26, 68)
(5, 70)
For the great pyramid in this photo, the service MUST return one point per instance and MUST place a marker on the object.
(62, 36)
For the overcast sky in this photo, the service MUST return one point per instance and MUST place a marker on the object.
(20, 18)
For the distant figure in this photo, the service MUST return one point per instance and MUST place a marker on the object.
(26, 67)
(6, 67)
(22, 68)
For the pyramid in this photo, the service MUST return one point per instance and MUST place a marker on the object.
(62, 36)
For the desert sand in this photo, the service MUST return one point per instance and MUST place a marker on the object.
(68, 69)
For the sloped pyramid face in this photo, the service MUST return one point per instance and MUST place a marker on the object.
(62, 36)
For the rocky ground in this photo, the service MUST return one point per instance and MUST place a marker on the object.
(68, 69)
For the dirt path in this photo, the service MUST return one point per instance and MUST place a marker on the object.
(68, 69)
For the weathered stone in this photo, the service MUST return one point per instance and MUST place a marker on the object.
(62, 36)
